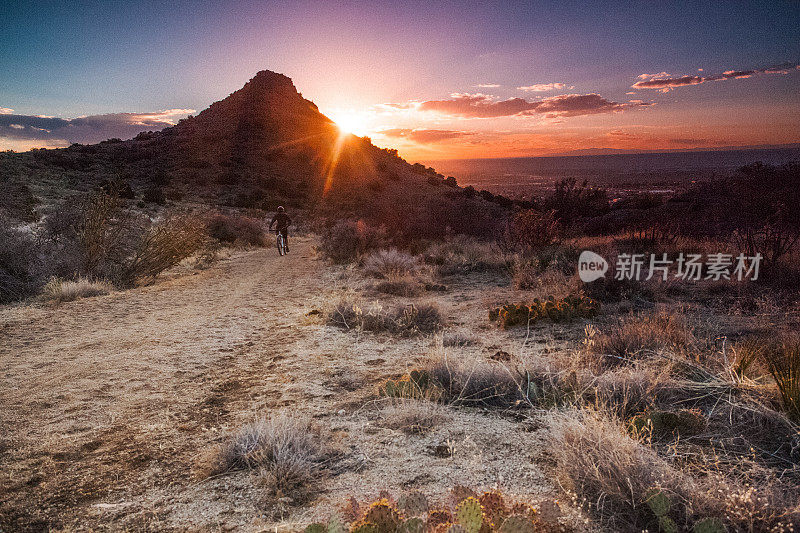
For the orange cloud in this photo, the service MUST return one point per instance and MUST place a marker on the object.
(424, 136)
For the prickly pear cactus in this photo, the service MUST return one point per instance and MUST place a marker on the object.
(523, 509)
(335, 525)
(709, 525)
(494, 506)
(438, 517)
(363, 527)
(383, 515)
(413, 503)
(459, 493)
(658, 502)
(316, 528)
(456, 528)
(469, 514)
(667, 525)
(517, 524)
(412, 525)
(421, 378)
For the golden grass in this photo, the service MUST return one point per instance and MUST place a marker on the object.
(58, 290)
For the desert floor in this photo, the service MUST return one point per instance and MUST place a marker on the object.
(106, 403)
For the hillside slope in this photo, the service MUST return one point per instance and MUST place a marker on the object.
(262, 146)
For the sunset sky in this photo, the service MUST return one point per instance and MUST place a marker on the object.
(436, 80)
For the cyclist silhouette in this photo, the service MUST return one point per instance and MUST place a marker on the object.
(282, 228)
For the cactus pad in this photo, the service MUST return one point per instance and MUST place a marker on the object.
(709, 525)
(383, 515)
(658, 502)
(413, 503)
(469, 514)
(412, 525)
(316, 528)
(494, 506)
(517, 524)
(363, 527)
(439, 516)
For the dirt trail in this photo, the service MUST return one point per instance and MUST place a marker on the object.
(107, 395)
(106, 402)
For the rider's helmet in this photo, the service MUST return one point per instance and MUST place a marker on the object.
(280, 209)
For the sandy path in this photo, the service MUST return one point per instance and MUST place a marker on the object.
(107, 396)
(106, 403)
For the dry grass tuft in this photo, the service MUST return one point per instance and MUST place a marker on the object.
(404, 320)
(288, 454)
(481, 383)
(462, 255)
(458, 338)
(400, 285)
(638, 336)
(782, 356)
(413, 416)
(614, 475)
(608, 469)
(58, 290)
(389, 263)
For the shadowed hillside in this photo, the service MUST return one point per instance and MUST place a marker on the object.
(262, 146)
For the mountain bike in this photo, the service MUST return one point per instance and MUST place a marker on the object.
(281, 242)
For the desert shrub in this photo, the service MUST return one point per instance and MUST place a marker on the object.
(482, 384)
(163, 246)
(58, 290)
(611, 289)
(458, 338)
(405, 320)
(570, 201)
(641, 335)
(782, 357)
(236, 229)
(18, 201)
(417, 384)
(346, 240)
(412, 416)
(386, 263)
(18, 263)
(399, 285)
(290, 455)
(556, 310)
(528, 230)
(461, 255)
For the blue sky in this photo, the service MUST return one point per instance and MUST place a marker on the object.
(91, 58)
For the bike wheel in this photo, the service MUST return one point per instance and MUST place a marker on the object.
(281, 245)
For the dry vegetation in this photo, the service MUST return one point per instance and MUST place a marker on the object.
(431, 363)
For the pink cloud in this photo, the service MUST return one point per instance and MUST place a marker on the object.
(565, 105)
(542, 87)
(665, 82)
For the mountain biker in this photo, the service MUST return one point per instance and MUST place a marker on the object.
(282, 227)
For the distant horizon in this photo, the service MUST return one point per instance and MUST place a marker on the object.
(612, 152)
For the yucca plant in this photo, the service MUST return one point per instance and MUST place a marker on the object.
(782, 357)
